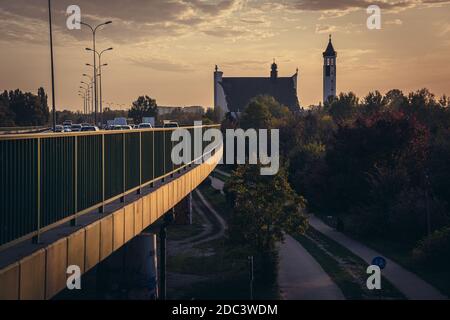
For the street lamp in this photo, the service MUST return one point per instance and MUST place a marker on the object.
(100, 65)
(82, 95)
(90, 87)
(86, 94)
(94, 30)
(52, 64)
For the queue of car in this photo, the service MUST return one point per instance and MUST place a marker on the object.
(68, 126)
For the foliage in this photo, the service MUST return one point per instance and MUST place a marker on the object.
(144, 106)
(434, 249)
(264, 207)
(23, 109)
(380, 164)
(264, 112)
(183, 118)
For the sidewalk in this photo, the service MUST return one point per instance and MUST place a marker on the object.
(407, 282)
(300, 277)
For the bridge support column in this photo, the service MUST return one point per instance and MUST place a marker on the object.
(131, 272)
(168, 219)
(183, 211)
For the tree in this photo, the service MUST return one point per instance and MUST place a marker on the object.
(29, 109)
(264, 112)
(144, 106)
(6, 115)
(211, 116)
(343, 108)
(373, 103)
(263, 208)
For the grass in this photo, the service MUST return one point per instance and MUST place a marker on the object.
(181, 232)
(224, 265)
(217, 200)
(346, 269)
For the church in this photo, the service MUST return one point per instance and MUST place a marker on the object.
(232, 94)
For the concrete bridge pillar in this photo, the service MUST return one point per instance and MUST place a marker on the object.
(131, 272)
(183, 211)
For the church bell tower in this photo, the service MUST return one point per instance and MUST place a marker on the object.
(329, 72)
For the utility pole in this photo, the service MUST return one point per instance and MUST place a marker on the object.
(52, 66)
(250, 259)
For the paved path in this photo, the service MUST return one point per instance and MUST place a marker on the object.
(226, 174)
(407, 282)
(221, 222)
(217, 184)
(300, 277)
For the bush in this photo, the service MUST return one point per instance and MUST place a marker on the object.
(434, 250)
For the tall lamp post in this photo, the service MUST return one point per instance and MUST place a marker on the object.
(86, 93)
(52, 64)
(100, 65)
(90, 86)
(94, 30)
(82, 95)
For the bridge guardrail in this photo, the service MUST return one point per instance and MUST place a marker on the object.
(50, 179)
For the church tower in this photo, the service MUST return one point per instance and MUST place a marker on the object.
(274, 71)
(329, 72)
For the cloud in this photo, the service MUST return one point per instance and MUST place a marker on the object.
(347, 28)
(160, 64)
(396, 22)
(339, 8)
(133, 20)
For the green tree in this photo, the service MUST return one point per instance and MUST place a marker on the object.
(264, 207)
(264, 112)
(144, 106)
(6, 115)
(343, 108)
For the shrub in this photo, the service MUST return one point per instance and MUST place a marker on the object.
(434, 250)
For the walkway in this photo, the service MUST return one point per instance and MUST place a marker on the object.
(300, 277)
(226, 174)
(407, 282)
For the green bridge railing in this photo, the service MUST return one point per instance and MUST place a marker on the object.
(50, 179)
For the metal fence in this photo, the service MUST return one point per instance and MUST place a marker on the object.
(50, 179)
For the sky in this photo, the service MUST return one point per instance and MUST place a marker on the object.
(168, 49)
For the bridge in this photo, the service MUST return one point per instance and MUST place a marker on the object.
(76, 198)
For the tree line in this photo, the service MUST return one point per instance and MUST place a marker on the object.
(378, 165)
(19, 108)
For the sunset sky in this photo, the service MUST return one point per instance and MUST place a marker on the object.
(168, 49)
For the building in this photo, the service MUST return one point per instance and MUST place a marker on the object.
(232, 94)
(329, 72)
(163, 110)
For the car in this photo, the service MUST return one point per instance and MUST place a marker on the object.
(67, 123)
(59, 128)
(125, 128)
(170, 124)
(67, 129)
(76, 127)
(145, 126)
(89, 128)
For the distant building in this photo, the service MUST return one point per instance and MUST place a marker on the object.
(163, 110)
(232, 94)
(329, 72)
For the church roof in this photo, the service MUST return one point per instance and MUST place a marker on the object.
(329, 52)
(239, 91)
